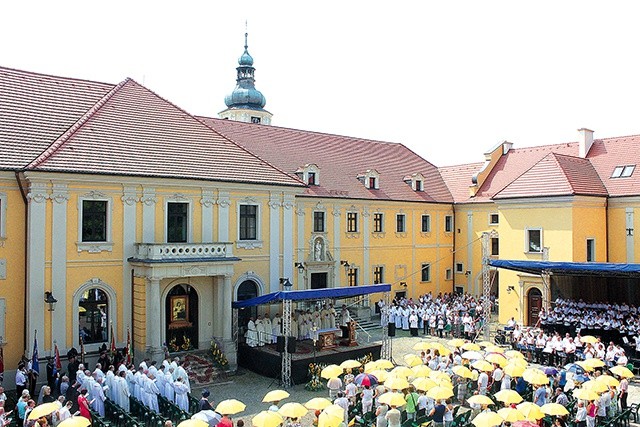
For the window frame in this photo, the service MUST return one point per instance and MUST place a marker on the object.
(3, 215)
(497, 216)
(448, 274)
(623, 171)
(401, 223)
(168, 201)
(378, 220)
(352, 276)
(491, 247)
(311, 178)
(459, 268)
(95, 246)
(448, 224)
(324, 222)
(422, 223)
(378, 274)
(352, 222)
(257, 222)
(591, 253)
(425, 270)
(528, 240)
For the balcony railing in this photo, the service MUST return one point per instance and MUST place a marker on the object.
(167, 251)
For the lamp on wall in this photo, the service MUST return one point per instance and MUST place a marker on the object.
(467, 273)
(50, 301)
(403, 284)
(286, 283)
(300, 267)
(346, 265)
(510, 288)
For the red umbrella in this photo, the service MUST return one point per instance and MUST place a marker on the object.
(365, 379)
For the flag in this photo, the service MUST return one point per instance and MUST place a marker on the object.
(56, 361)
(112, 347)
(81, 350)
(1, 364)
(129, 358)
(35, 364)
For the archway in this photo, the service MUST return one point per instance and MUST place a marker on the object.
(181, 314)
(246, 290)
(534, 305)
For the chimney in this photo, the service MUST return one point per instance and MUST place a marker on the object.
(585, 141)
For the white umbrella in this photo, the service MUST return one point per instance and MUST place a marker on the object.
(210, 417)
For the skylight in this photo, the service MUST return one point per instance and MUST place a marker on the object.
(623, 171)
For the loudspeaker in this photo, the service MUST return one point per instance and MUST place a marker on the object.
(280, 344)
(291, 345)
(392, 329)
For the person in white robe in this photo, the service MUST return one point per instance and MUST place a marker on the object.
(98, 397)
(108, 380)
(332, 316)
(294, 327)
(182, 400)
(324, 318)
(300, 324)
(185, 378)
(267, 328)
(405, 319)
(398, 318)
(151, 389)
(98, 373)
(153, 370)
(168, 385)
(251, 334)
(121, 391)
(276, 328)
(260, 329)
(131, 381)
(64, 412)
(88, 384)
(174, 365)
(136, 384)
(160, 380)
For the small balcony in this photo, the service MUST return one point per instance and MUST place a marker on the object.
(167, 252)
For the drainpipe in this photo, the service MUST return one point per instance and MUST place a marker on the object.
(19, 177)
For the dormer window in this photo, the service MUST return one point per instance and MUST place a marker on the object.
(370, 179)
(309, 173)
(418, 185)
(416, 181)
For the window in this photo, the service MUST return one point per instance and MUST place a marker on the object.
(448, 223)
(378, 274)
(92, 316)
(448, 274)
(426, 223)
(418, 185)
(495, 246)
(425, 273)
(311, 178)
(591, 250)
(623, 171)
(352, 222)
(493, 219)
(3, 215)
(255, 119)
(248, 222)
(401, 223)
(94, 221)
(372, 183)
(177, 222)
(318, 222)
(378, 221)
(459, 267)
(534, 240)
(352, 276)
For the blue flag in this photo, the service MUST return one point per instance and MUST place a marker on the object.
(35, 365)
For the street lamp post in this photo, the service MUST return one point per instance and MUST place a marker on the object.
(314, 336)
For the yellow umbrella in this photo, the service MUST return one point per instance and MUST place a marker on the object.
(422, 346)
(293, 410)
(334, 410)
(513, 370)
(496, 358)
(589, 339)
(350, 364)
(412, 360)
(596, 386)
(480, 399)
(585, 394)
(554, 409)
(401, 371)
(264, 419)
(518, 362)
(513, 354)
(380, 374)
(438, 375)
(511, 414)
(444, 351)
(79, 421)
(484, 343)
(508, 396)
(186, 423)
(494, 349)
(456, 342)
(440, 393)
(487, 419)
(370, 366)
(531, 372)
(43, 410)
(424, 384)
(538, 379)
(608, 380)
(384, 364)
(462, 371)
(275, 396)
(421, 371)
(328, 420)
(530, 410)
(596, 363)
(621, 371)
(482, 365)
(331, 371)
(587, 367)
(392, 399)
(396, 383)
(230, 407)
(318, 403)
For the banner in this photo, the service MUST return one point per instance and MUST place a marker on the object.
(35, 363)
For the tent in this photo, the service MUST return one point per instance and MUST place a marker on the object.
(601, 269)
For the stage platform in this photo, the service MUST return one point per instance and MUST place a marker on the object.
(266, 360)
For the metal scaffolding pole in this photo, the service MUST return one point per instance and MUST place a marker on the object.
(286, 331)
(486, 280)
(386, 352)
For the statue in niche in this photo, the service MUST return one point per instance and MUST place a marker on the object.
(318, 250)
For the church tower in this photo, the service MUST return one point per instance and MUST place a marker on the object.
(246, 103)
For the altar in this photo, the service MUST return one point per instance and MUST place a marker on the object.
(327, 339)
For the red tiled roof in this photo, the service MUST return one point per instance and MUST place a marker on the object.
(128, 130)
(458, 179)
(340, 160)
(608, 153)
(556, 175)
(35, 109)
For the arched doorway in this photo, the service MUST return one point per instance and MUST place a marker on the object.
(181, 314)
(247, 290)
(534, 304)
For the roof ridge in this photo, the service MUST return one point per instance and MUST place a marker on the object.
(62, 139)
(587, 161)
(52, 76)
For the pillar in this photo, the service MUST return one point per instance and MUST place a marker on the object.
(154, 327)
(60, 196)
(35, 263)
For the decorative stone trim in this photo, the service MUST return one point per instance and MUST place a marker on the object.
(94, 247)
(249, 244)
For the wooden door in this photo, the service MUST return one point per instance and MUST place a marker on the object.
(534, 304)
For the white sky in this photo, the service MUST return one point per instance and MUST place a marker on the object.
(449, 79)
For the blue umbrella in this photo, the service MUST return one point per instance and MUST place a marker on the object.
(365, 379)
(575, 368)
(581, 378)
(550, 370)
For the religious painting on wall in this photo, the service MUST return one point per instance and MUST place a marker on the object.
(179, 310)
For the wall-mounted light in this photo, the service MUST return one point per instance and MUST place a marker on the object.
(286, 283)
(403, 284)
(467, 273)
(510, 288)
(50, 301)
(300, 267)
(346, 265)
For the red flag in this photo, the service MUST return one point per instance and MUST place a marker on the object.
(56, 356)
(128, 346)
(112, 348)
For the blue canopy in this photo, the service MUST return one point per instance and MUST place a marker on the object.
(313, 294)
(602, 269)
